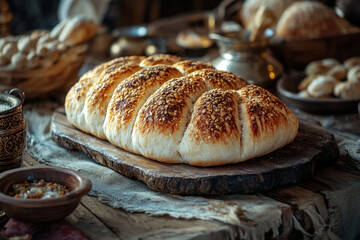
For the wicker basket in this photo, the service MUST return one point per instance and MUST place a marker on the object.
(42, 82)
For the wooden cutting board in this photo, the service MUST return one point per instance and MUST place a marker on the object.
(312, 148)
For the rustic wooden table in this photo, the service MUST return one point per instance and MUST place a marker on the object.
(100, 221)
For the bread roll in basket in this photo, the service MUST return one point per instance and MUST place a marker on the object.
(177, 111)
(43, 62)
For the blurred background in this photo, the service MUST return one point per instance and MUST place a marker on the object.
(33, 14)
(263, 41)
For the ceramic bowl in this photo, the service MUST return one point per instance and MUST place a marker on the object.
(287, 89)
(42, 210)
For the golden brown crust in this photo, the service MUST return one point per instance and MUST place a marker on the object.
(151, 112)
(75, 95)
(109, 66)
(115, 63)
(79, 90)
(214, 116)
(128, 93)
(165, 108)
(127, 59)
(219, 79)
(265, 110)
(189, 66)
(75, 100)
(100, 88)
(160, 59)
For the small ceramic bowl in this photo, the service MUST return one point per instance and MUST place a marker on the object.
(42, 210)
(288, 92)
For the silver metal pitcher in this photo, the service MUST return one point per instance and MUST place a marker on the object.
(250, 60)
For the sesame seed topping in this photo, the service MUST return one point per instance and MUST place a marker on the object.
(213, 117)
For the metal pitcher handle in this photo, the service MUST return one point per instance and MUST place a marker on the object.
(19, 94)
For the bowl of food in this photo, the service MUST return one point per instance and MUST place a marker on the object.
(41, 194)
(287, 88)
(326, 86)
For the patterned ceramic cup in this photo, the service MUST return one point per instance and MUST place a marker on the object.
(12, 129)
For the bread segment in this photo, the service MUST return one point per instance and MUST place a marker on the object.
(219, 79)
(99, 96)
(189, 66)
(214, 132)
(128, 98)
(267, 124)
(160, 59)
(75, 99)
(161, 122)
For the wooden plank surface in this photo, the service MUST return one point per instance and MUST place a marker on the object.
(100, 221)
(313, 147)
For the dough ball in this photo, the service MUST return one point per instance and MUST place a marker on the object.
(354, 74)
(304, 94)
(347, 90)
(351, 62)
(322, 86)
(33, 60)
(321, 66)
(338, 72)
(18, 60)
(25, 44)
(42, 50)
(306, 81)
(9, 49)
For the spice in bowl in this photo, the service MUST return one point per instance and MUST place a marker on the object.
(38, 189)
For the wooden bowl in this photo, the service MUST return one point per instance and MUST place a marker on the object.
(42, 210)
(287, 89)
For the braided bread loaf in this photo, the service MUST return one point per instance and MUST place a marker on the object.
(178, 111)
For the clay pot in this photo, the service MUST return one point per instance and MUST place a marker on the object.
(12, 129)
